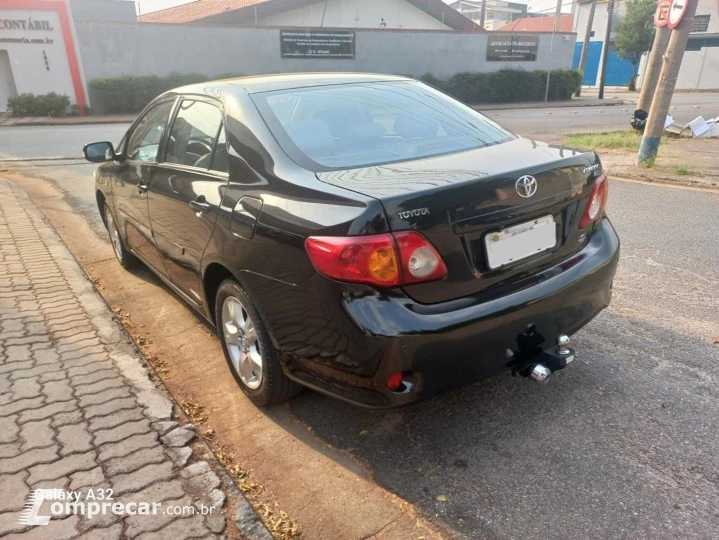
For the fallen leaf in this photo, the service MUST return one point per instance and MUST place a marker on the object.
(441, 498)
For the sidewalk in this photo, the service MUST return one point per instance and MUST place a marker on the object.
(67, 120)
(79, 413)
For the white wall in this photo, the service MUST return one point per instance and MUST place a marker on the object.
(110, 49)
(354, 14)
(25, 49)
(700, 70)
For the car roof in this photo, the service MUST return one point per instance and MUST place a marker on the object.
(268, 83)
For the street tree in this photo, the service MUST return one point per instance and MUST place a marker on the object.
(635, 33)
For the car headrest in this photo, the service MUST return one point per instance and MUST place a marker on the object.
(310, 135)
(368, 130)
(407, 127)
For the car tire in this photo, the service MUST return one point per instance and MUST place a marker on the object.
(250, 355)
(124, 257)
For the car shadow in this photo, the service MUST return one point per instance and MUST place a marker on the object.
(506, 457)
(620, 443)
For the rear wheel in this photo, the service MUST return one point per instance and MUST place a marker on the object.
(126, 259)
(253, 361)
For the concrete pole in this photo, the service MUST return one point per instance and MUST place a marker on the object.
(605, 47)
(667, 81)
(555, 28)
(483, 13)
(585, 46)
(653, 67)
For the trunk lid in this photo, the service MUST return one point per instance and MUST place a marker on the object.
(457, 200)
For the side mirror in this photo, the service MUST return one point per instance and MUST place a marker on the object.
(99, 152)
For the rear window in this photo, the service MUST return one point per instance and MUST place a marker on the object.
(360, 125)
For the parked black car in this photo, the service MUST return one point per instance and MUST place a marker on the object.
(364, 235)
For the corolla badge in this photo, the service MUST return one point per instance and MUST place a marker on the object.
(526, 186)
(413, 213)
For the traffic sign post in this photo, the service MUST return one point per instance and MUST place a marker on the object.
(672, 60)
(654, 62)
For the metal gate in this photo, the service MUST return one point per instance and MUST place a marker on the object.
(619, 70)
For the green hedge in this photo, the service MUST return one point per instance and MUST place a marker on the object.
(128, 94)
(51, 104)
(508, 85)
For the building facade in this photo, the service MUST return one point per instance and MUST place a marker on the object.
(61, 46)
(38, 45)
(497, 12)
(700, 66)
(390, 14)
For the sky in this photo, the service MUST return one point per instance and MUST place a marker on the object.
(543, 6)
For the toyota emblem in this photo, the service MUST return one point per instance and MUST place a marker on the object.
(526, 186)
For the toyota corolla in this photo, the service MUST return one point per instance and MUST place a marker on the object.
(363, 235)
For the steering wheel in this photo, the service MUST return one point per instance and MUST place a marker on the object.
(198, 147)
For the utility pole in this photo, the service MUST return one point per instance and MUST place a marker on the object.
(654, 67)
(605, 48)
(585, 46)
(483, 13)
(672, 62)
(551, 47)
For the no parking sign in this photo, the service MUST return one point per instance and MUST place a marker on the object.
(662, 13)
(677, 9)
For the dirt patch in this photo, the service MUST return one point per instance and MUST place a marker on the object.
(297, 482)
(683, 161)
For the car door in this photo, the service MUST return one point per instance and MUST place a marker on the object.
(134, 177)
(186, 190)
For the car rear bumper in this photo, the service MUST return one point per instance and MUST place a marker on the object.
(454, 343)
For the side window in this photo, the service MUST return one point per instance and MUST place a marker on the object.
(144, 142)
(219, 158)
(193, 134)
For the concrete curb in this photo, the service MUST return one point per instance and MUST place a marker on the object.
(67, 120)
(550, 105)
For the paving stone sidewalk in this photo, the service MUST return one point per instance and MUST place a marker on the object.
(77, 409)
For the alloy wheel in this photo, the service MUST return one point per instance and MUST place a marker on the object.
(242, 343)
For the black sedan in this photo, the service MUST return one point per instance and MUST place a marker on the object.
(364, 235)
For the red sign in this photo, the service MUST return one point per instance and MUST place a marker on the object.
(661, 16)
(676, 12)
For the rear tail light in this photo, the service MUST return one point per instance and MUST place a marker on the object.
(597, 202)
(385, 260)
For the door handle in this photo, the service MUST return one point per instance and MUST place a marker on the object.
(142, 188)
(200, 204)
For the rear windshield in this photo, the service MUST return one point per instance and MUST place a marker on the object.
(359, 125)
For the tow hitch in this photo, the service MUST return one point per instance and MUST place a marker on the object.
(533, 362)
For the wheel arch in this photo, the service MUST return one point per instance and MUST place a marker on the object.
(215, 273)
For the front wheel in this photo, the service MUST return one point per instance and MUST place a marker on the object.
(124, 257)
(253, 361)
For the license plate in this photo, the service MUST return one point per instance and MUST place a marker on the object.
(521, 241)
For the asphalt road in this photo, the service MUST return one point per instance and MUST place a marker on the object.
(622, 444)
